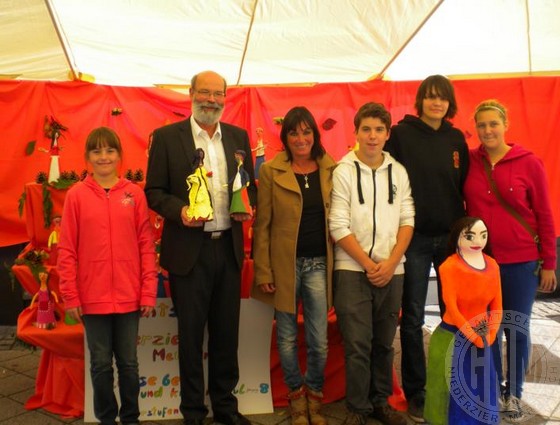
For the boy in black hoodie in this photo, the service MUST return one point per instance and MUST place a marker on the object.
(436, 157)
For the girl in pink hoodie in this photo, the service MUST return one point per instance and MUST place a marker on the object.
(518, 177)
(107, 268)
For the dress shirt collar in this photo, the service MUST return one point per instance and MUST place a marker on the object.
(198, 130)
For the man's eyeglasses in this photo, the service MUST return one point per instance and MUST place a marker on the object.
(207, 93)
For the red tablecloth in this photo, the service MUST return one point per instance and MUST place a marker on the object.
(59, 384)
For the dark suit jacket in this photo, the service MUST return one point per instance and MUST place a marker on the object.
(169, 163)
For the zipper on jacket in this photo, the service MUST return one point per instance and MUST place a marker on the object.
(373, 211)
(111, 247)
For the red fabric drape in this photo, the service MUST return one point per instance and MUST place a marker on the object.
(533, 102)
(59, 384)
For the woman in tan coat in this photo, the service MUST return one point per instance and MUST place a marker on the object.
(293, 256)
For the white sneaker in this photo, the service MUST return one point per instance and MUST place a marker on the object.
(504, 404)
(516, 410)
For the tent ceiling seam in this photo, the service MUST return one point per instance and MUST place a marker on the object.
(245, 47)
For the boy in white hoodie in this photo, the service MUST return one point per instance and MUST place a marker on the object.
(371, 220)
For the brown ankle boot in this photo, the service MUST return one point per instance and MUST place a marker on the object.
(314, 400)
(298, 407)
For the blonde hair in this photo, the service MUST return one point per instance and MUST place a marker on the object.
(491, 105)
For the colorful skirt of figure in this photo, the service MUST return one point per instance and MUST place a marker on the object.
(462, 385)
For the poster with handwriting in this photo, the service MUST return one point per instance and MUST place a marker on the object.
(158, 356)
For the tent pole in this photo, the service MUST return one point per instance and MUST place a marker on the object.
(61, 39)
(381, 73)
(529, 53)
(247, 42)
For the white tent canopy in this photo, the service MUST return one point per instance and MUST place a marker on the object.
(257, 42)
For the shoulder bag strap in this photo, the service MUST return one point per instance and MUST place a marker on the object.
(508, 207)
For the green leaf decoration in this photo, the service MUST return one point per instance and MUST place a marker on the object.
(63, 183)
(60, 184)
(30, 148)
(47, 206)
(35, 260)
(11, 276)
(21, 203)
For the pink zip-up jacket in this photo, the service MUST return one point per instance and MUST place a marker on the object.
(521, 180)
(107, 259)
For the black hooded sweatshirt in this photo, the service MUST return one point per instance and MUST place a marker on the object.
(437, 162)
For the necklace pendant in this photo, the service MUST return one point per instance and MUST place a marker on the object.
(306, 182)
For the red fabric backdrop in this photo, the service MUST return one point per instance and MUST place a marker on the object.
(533, 102)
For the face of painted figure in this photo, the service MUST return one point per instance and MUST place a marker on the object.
(473, 240)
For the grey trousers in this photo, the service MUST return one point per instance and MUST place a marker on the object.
(367, 319)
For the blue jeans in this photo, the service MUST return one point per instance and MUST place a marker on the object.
(367, 318)
(311, 290)
(109, 334)
(421, 253)
(519, 287)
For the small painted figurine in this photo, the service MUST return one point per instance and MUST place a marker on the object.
(259, 151)
(52, 130)
(54, 237)
(240, 198)
(45, 305)
(200, 203)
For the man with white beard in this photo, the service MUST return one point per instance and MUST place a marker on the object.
(203, 258)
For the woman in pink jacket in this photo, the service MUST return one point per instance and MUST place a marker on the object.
(512, 173)
(107, 269)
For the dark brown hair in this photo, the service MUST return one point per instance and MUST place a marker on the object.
(440, 86)
(296, 116)
(103, 137)
(372, 110)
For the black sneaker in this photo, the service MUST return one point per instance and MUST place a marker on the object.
(193, 421)
(416, 409)
(232, 419)
(387, 415)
